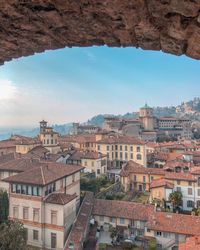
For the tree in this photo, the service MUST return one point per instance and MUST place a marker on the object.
(12, 236)
(113, 232)
(176, 199)
(4, 206)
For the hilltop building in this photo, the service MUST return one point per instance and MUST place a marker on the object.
(150, 128)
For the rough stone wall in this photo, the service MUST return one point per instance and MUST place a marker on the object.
(29, 26)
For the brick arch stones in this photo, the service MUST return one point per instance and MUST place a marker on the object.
(30, 26)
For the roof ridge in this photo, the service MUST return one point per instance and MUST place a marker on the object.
(61, 198)
(42, 173)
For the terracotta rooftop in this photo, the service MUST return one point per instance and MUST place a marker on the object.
(18, 165)
(122, 209)
(174, 223)
(191, 243)
(179, 176)
(7, 143)
(44, 173)
(133, 167)
(78, 138)
(79, 228)
(60, 198)
(38, 152)
(161, 183)
(119, 139)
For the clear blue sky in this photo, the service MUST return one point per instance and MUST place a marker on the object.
(75, 84)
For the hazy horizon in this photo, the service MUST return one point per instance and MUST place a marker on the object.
(76, 84)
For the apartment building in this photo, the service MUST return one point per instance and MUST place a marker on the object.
(45, 198)
(136, 177)
(93, 162)
(120, 149)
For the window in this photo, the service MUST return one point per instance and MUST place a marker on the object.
(131, 156)
(36, 214)
(122, 220)
(139, 157)
(190, 191)
(121, 147)
(126, 148)
(135, 177)
(15, 212)
(158, 233)
(116, 147)
(51, 141)
(99, 148)
(101, 218)
(92, 164)
(116, 155)
(53, 217)
(25, 213)
(178, 182)
(190, 203)
(131, 148)
(47, 141)
(53, 240)
(121, 155)
(178, 189)
(144, 178)
(35, 234)
(189, 183)
(73, 178)
(138, 149)
(85, 163)
(112, 219)
(126, 156)
(98, 171)
(198, 192)
(108, 148)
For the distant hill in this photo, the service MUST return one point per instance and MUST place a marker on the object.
(61, 129)
(190, 109)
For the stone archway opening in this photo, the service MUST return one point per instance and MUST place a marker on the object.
(28, 27)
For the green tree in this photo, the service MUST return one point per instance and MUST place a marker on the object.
(4, 206)
(176, 199)
(12, 236)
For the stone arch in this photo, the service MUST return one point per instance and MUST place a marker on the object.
(28, 27)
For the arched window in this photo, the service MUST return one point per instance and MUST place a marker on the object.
(190, 203)
(139, 157)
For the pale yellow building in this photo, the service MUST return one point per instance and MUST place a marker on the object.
(120, 149)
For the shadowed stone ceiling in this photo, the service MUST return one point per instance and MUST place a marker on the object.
(26, 27)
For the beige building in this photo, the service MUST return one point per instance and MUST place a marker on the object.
(45, 198)
(120, 149)
(93, 162)
(49, 138)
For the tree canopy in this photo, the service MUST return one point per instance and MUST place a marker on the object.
(12, 236)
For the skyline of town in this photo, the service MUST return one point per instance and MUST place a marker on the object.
(89, 80)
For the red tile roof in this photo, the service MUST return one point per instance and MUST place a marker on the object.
(44, 173)
(80, 227)
(133, 167)
(192, 243)
(174, 223)
(119, 139)
(122, 209)
(161, 183)
(60, 198)
(179, 176)
(18, 165)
